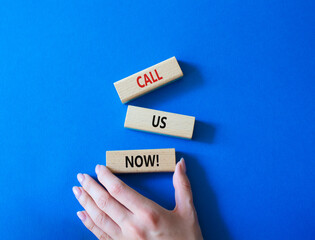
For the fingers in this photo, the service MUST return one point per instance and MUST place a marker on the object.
(183, 194)
(89, 224)
(128, 197)
(97, 215)
(103, 200)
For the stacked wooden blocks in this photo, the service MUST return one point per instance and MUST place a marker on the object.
(154, 121)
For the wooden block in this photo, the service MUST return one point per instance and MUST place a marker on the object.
(134, 161)
(148, 80)
(150, 120)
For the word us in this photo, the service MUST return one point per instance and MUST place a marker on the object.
(148, 80)
(160, 122)
(134, 161)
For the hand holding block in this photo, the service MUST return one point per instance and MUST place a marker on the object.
(147, 80)
(133, 161)
(159, 122)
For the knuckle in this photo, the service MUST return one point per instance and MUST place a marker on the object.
(191, 216)
(117, 189)
(83, 200)
(123, 219)
(100, 219)
(87, 183)
(104, 236)
(151, 218)
(186, 185)
(103, 174)
(90, 227)
(137, 232)
(102, 202)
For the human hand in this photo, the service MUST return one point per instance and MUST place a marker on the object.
(119, 212)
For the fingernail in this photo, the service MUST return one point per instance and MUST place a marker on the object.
(183, 164)
(82, 216)
(77, 192)
(80, 177)
(97, 168)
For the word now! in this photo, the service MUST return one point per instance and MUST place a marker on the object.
(147, 79)
(134, 161)
(139, 160)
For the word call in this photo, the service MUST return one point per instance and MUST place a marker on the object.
(148, 79)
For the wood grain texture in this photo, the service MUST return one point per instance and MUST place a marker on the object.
(155, 121)
(148, 80)
(135, 161)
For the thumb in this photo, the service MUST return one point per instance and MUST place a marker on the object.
(183, 193)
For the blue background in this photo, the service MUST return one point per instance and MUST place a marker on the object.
(249, 71)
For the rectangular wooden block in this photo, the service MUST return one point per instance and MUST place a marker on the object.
(147, 80)
(150, 120)
(134, 161)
